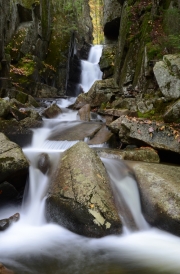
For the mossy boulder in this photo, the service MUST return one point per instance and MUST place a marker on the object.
(13, 163)
(80, 197)
(107, 61)
(4, 107)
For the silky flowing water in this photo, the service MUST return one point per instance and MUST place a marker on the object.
(90, 68)
(33, 246)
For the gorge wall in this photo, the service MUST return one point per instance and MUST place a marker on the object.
(38, 40)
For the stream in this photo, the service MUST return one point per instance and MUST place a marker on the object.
(34, 246)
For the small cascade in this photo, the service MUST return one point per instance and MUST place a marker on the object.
(90, 68)
(126, 195)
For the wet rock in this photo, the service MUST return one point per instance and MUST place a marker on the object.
(143, 154)
(44, 163)
(5, 223)
(107, 60)
(101, 137)
(167, 75)
(76, 131)
(4, 270)
(80, 197)
(4, 108)
(13, 163)
(173, 113)
(100, 92)
(159, 187)
(137, 131)
(51, 111)
(84, 113)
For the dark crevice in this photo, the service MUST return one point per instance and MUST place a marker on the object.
(111, 29)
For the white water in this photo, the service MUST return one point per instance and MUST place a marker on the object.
(90, 68)
(33, 246)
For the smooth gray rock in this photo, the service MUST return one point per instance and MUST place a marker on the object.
(159, 187)
(80, 197)
(167, 75)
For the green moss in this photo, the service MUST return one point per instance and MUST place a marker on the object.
(28, 3)
(22, 97)
(148, 114)
(154, 51)
(166, 4)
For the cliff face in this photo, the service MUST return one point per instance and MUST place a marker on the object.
(37, 40)
(142, 32)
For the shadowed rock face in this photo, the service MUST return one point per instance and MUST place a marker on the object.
(80, 197)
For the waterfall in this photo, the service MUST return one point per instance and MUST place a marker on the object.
(90, 68)
(31, 246)
(126, 194)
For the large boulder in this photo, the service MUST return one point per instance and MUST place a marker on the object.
(77, 131)
(167, 76)
(100, 92)
(159, 187)
(143, 154)
(13, 163)
(143, 131)
(84, 113)
(52, 111)
(80, 197)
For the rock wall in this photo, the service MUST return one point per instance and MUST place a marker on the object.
(40, 39)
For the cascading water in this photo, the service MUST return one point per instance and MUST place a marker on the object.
(33, 246)
(90, 68)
